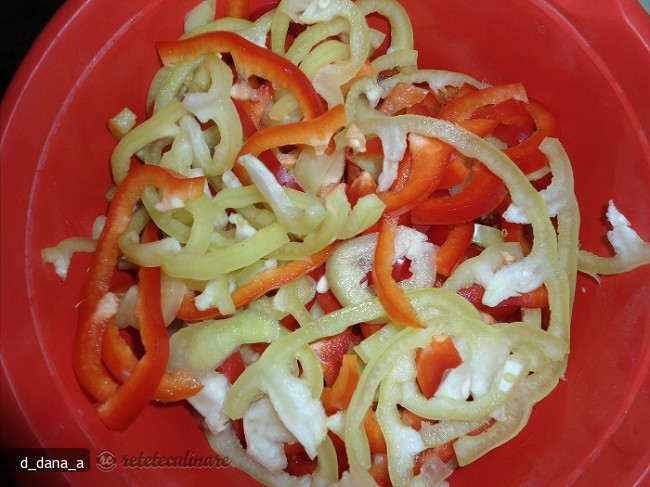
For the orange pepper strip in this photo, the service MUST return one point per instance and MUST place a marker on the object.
(250, 59)
(316, 132)
(481, 195)
(451, 251)
(134, 394)
(429, 161)
(432, 361)
(338, 397)
(462, 107)
(238, 8)
(373, 431)
(390, 295)
(379, 470)
(93, 320)
(263, 283)
(402, 96)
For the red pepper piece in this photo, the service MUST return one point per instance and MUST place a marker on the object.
(120, 360)
(444, 452)
(402, 96)
(238, 8)
(463, 107)
(391, 296)
(433, 361)
(527, 154)
(453, 249)
(481, 195)
(315, 132)
(134, 394)
(429, 158)
(330, 351)
(537, 298)
(232, 367)
(87, 351)
(379, 470)
(250, 59)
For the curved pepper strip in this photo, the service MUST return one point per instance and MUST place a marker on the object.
(527, 154)
(87, 348)
(481, 195)
(250, 59)
(391, 296)
(121, 362)
(429, 158)
(453, 248)
(463, 107)
(263, 283)
(134, 394)
(315, 132)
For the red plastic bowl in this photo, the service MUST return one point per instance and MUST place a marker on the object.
(588, 61)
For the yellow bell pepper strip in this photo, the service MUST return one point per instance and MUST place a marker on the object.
(266, 281)
(316, 132)
(250, 59)
(134, 394)
(93, 317)
(481, 195)
(390, 295)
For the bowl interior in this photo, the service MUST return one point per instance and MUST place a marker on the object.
(102, 58)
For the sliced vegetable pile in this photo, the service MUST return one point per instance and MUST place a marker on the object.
(358, 271)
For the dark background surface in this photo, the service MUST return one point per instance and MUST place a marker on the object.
(20, 23)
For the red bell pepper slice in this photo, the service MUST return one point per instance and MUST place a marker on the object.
(433, 361)
(232, 367)
(120, 360)
(87, 348)
(134, 394)
(527, 154)
(454, 247)
(337, 397)
(481, 195)
(391, 296)
(463, 107)
(330, 351)
(315, 132)
(250, 59)
(537, 298)
(402, 96)
(238, 8)
(429, 158)
(379, 470)
(263, 283)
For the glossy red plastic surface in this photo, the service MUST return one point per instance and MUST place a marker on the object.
(588, 61)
